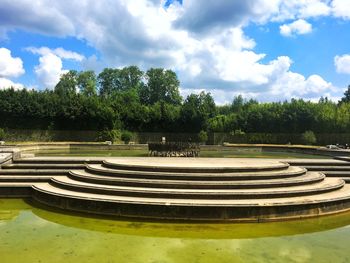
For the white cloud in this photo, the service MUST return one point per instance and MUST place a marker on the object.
(49, 70)
(342, 64)
(314, 8)
(6, 83)
(203, 41)
(298, 27)
(60, 52)
(10, 66)
(341, 8)
(50, 66)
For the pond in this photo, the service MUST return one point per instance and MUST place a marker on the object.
(29, 233)
(234, 153)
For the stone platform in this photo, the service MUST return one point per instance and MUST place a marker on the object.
(209, 189)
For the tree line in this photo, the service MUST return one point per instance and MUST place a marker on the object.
(130, 99)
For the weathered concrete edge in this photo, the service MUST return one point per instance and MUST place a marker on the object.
(193, 213)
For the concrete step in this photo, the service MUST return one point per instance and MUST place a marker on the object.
(318, 162)
(327, 185)
(343, 158)
(43, 166)
(327, 168)
(199, 209)
(59, 160)
(16, 189)
(193, 165)
(337, 173)
(33, 172)
(25, 178)
(86, 176)
(285, 173)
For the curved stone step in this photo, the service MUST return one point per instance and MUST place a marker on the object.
(306, 178)
(285, 173)
(193, 165)
(327, 185)
(202, 209)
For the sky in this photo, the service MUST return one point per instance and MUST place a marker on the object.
(268, 50)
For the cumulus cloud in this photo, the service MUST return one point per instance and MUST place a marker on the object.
(49, 70)
(10, 66)
(341, 8)
(60, 52)
(342, 63)
(203, 41)
(40, 16)
(198, 17)
(6, 83)
(298, 27)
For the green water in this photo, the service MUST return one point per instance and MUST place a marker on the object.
(32, 234)
(144, 153)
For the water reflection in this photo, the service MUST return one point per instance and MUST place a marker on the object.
(9, 209)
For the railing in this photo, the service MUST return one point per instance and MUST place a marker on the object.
(174, 149)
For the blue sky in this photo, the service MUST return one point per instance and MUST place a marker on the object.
(270, 50)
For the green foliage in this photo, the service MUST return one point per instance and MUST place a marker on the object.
(346, 97)
(109, 135)
(203, 136)
(86, 81)
(308, 137)
(2, 134)
(196, 111)
(67, 84)
(162, 85)
(129, 99)
(126, 137)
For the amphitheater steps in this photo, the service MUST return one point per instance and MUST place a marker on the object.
(200, 209)
(339, 167)
(186, 183)
(176, 188)
(340, 194)
(208, 175)
(326, 185)
(218, 166)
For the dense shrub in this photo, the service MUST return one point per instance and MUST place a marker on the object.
(126, 137)
(308, 137)
(2, 134)
(109, 135)
(203, 136)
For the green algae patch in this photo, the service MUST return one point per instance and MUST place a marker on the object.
(34, 234)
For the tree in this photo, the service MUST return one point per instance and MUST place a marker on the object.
(346, 97)
(67, 84)
(197, 110)
(108, 82)
(86, 81)
(162, 85)
(130, 78)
